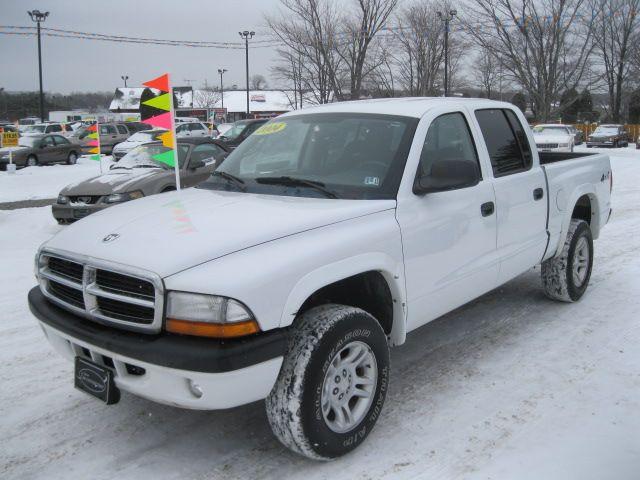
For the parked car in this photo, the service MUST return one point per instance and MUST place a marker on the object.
(317, 245)
(135, 127)
(43, 128)
(613, 136)
(186, 119)
(554, 138)
(110, 135)
(35, 150)
(146, 136)
(9, 127)
(240, 132)
(192, 129)
(25, 122)
(138, 175)
(223, 128)
(638, 142)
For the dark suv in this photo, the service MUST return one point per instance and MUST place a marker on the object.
(240, 131)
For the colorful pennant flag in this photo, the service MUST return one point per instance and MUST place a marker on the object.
(94, 142)
(163, 103)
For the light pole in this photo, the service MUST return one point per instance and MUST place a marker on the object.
(222, 71)
(124, 79)
(247, 35)
(446, 18)
(39, 17)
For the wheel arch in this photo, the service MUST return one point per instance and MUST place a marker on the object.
(584, 206)
(372, 282)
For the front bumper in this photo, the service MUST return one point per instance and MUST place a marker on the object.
(600, 144)
(164, 367)
(70, 212)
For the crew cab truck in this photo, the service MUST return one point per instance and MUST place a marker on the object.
(321, 241)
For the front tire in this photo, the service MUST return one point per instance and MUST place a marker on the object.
(72, 158)
(332, 384)
(565, 277)
(32, 161)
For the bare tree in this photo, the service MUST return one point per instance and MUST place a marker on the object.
(206, 98)
(258, 82)
(544, 47)
(615, 26)
(487, 70)
(420, 48)
(360, 27)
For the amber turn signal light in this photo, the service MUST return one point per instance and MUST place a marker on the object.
(213, 330)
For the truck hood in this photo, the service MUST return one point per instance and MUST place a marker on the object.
(171, 232)
(115, 181)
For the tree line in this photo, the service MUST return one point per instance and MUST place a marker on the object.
(554, 53)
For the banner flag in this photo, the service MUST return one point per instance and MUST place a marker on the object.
(163, 102)
(163, 121)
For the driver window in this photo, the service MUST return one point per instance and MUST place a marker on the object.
(448, 138)
(47, 142)
(206, 153)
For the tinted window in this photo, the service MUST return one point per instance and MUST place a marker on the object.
(502, 144)
(60, 140)
(206, 153)
(47, 142)
(122, 129)
(448, 138)
(107, 130)
(523, 141)
(54, 128)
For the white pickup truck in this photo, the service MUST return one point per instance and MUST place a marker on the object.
(323, 240)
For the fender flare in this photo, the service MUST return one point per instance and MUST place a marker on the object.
(568, 207)
(391, 270)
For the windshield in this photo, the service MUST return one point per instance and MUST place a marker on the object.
(35, 128)
(550, 130)
(349, 155)
(142, 137)
(142, 157)
(28, 141)
(235, 131)
(606, 131)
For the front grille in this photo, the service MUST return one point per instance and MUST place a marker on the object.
(547, 145)
(67, 294)
(125, 311)
(66, 268)
(85, 199)
(121, 296)
(125, 285)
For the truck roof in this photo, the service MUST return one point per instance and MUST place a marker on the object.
(406, 106)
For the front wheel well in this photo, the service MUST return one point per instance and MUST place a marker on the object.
(368, 291)
(583, 210)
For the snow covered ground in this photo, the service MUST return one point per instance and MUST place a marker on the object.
(35, 183)
(512, 386)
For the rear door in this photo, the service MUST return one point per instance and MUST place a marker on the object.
(520, 189)
(123, 133)
(48, 152)
(108, 137)
(63, 147)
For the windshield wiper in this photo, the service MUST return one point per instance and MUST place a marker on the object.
(230, 178)
(147, 165)
(297, 182)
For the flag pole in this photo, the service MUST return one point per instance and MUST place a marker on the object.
(176, 161)
(99, 144)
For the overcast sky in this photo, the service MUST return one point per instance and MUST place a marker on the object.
(88, 65)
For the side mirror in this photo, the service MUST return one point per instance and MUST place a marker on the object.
(448, 175)
(196, 164)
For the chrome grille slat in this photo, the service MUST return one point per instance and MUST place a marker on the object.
(115, 295)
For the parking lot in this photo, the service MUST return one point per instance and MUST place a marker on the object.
(512, 386)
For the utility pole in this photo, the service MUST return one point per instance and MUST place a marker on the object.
(222, 71)
(446, 18)
(39, 17)
(124, 79)
(247, 35)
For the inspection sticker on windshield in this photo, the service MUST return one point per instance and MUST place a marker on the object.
(374, 181)
(269, 128)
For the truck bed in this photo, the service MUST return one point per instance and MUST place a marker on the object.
(553, 157)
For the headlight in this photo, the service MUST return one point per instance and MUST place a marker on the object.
(63, 200)
(123, 197)
(208, 316)
(563, 145)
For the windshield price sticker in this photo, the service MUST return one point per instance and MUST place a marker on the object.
(10, 139)
(269, 128)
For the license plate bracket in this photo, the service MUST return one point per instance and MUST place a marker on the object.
(96, 380)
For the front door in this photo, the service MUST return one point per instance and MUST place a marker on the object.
(207, 153)
(448, 237)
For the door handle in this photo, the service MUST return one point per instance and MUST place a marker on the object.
(538, 193)
(487, 209)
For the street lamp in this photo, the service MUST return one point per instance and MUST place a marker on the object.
(222, 71)
(124, 79)
(39, 17)
(247, 35)
(446, 18)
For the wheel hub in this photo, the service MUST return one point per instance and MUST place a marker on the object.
(349, 387)
(580, 262)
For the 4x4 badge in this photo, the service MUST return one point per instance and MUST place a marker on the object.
(110, 238)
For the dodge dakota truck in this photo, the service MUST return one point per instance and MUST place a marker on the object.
(323, 240)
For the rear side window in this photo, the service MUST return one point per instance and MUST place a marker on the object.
(107, 130)
(122, 129)
(506, 141)
(196, 127)
(60, 140)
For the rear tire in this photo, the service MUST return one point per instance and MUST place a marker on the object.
(32, 161)
(565, 277)
(72, 158)
(332, 384)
